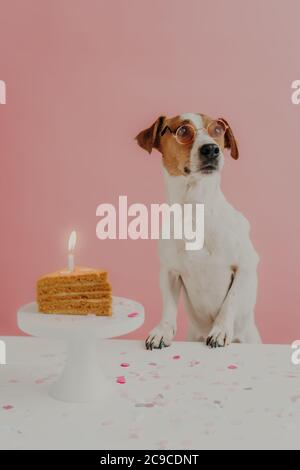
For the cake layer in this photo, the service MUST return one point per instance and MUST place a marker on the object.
(99, 307)
(76, 287)
(79, 275)
(75, 295)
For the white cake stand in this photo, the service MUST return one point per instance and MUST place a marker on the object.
(82, 379)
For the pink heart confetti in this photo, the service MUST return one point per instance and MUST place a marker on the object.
(132, 314)
(40, 381)
(124, 364)
(177, 356)
(121, 379)
(7, 407)
(162, 444)
(232, 367)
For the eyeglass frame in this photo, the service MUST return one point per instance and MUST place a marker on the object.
(195, 129)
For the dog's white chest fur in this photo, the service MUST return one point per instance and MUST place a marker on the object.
(207, 274)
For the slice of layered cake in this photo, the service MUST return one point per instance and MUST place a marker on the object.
(82, 291)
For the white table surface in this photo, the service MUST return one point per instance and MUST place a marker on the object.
(183, 397)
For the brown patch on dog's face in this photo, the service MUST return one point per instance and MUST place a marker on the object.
(176, 157)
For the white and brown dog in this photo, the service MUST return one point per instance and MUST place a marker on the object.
(220, 280)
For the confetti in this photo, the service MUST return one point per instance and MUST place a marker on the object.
(231, 367)
(7, 407)
(40, 381)
(156, 376)
(162, 444)
(121, 379)
(152, 364)
(176, 357)
(124, 364)
(295, 398)
(133, 314)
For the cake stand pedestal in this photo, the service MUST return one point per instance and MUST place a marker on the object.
(82, 379)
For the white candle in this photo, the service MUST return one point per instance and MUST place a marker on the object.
(71, 264)
(71, 248)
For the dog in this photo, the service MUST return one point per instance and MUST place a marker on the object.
(219, 281)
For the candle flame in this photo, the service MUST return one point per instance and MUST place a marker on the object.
(72, 241)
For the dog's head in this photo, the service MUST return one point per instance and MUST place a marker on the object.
(190, 143)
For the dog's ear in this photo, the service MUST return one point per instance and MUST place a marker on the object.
(230, 141)
(149, 138)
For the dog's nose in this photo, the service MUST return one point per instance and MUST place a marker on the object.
(209, 151)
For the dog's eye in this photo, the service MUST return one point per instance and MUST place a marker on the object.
(185, 134)
(216, 129)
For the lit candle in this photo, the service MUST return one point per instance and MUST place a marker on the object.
(71, 248)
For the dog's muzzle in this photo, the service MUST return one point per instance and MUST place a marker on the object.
(209, 158)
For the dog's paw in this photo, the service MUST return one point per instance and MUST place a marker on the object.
(219, 336)
(160, 337)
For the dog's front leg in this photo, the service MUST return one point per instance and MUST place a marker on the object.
(240, 299)
(162, 335)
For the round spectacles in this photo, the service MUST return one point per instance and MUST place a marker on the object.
(186, 133)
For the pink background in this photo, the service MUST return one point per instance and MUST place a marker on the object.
(83, 77)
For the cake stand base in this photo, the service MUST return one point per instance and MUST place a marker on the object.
(82, 379)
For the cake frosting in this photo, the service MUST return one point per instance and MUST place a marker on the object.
(82, 291)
